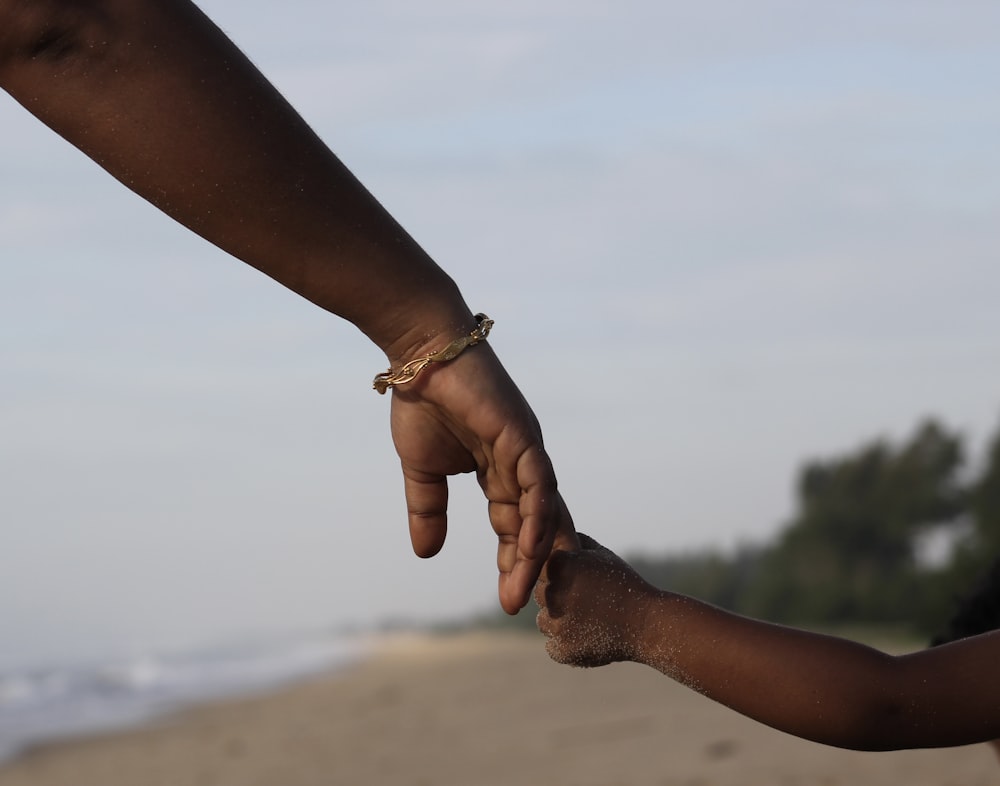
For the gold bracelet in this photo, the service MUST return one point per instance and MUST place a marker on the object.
(388, 379)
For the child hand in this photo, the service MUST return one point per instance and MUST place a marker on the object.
(592, 606)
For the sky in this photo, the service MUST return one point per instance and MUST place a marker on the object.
(718, 239)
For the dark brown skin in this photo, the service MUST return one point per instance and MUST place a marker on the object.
(156, 94)
(597, 610)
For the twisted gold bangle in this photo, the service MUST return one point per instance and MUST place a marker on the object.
(390, 378)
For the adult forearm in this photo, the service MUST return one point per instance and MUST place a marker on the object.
(158, 96)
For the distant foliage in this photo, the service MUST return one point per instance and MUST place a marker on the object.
(710, 575)
(850, 555)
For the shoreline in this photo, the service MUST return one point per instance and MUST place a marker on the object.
(475, 709)
(63, 703)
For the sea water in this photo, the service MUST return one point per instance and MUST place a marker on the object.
(45, 705)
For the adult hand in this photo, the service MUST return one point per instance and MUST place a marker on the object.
(467, 415)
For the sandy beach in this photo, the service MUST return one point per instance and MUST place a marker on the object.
(478, 709)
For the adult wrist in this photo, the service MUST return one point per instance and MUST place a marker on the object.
(422, 331)
(409, 371)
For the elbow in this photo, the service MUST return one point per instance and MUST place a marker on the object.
(62, 35)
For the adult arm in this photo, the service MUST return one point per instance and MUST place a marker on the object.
(156, 94)
(597, 610)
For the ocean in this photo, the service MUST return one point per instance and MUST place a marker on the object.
(45, 705)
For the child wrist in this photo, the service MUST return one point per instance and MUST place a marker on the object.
(642, 643)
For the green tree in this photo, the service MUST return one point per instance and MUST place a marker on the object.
(979, 549)
(850, 552)
(986, 503)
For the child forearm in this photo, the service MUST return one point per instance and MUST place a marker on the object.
(813, 686)
(819, 687)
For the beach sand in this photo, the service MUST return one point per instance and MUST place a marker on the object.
(479, 710)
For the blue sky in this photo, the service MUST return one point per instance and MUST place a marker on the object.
(718, 239)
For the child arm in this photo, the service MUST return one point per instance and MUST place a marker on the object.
(597, 610)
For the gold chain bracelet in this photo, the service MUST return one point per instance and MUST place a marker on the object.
(390, 378)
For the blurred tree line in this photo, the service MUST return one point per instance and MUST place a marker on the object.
(889, 534)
